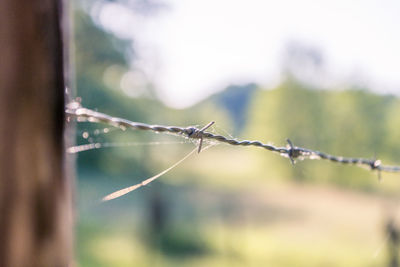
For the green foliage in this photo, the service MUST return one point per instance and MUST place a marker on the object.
(101, 60)
(351, 123)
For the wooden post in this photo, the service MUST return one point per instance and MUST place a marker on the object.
(35, 209)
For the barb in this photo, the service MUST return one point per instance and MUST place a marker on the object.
(195, 133)
(292, 152)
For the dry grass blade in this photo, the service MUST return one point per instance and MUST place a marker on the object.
(129, 189)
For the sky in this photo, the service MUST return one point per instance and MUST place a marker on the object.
(192, 49)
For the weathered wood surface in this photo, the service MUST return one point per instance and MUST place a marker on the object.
(35, 209)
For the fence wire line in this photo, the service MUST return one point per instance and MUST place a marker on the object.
(292, 152)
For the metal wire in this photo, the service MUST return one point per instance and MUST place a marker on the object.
(291, 151)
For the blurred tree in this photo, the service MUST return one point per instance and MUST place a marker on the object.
(347, 123)
(304, 63)
(102, 59)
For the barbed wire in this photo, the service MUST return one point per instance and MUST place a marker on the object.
(291, 151)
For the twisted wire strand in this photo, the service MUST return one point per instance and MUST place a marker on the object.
(291, 151)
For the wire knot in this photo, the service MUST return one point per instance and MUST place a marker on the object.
(292, 152)
(375, 164)
(193, 132)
